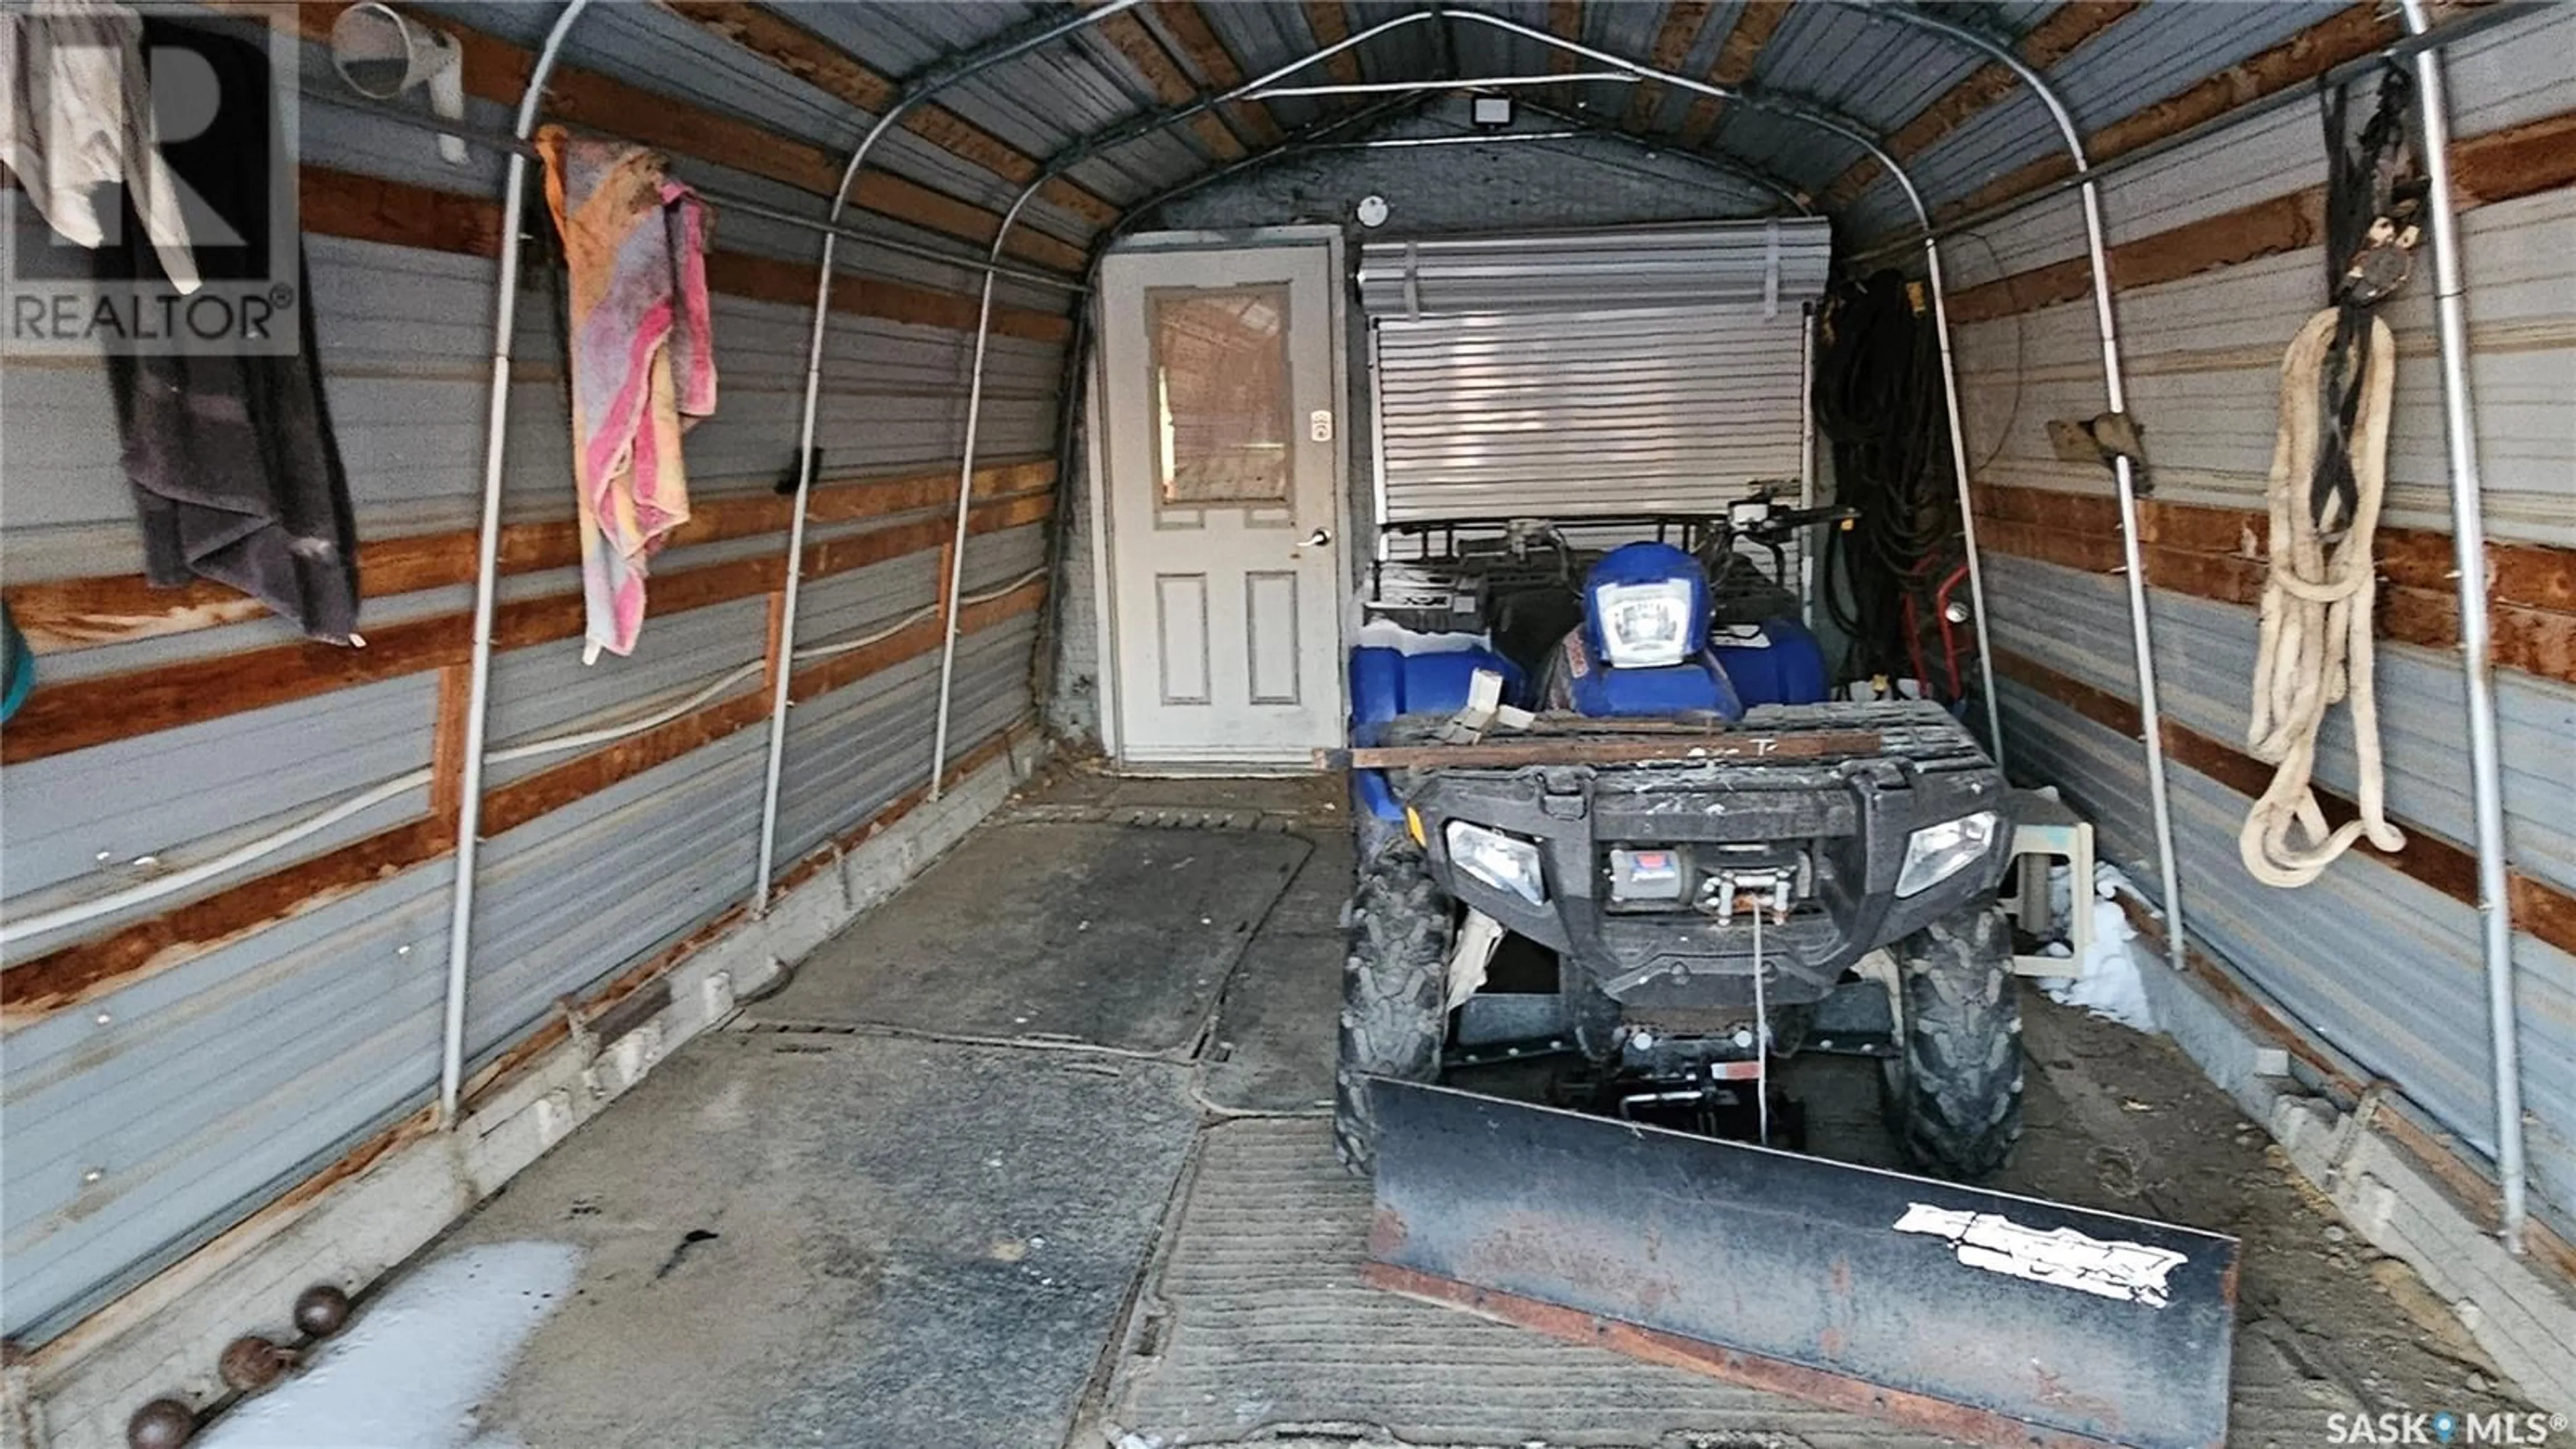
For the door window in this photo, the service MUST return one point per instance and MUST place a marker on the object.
(1221, 396)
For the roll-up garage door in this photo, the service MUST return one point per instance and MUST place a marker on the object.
(1623, 372)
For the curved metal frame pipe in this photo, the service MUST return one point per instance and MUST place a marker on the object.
(478, 691)
(1008, 48)
(2115, 389)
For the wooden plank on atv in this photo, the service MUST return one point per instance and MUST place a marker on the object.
(1660, 747)
(1975, 1315)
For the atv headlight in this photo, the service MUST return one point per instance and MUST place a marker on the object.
(1935, 853)
(1505, 862)
(1644, 626)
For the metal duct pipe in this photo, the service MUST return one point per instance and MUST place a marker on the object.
(2469, 555)
(487, 570)
(2115, 388)
(1008, 48)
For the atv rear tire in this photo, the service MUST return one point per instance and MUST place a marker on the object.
(1394, 1002)
(1954, 1092)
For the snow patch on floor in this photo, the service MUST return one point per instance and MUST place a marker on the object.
(415, 1365)
(2111, 982)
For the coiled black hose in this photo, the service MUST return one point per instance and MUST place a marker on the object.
(1878, 399)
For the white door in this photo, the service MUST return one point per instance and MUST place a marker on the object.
(1222, 433)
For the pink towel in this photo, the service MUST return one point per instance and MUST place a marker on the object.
(643, 362)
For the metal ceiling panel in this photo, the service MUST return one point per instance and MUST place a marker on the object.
(2148, 55)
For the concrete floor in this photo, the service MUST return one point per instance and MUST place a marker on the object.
(1034, 1156)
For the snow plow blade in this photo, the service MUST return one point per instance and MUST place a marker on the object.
(1971, 1314)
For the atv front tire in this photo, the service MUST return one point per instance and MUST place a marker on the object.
(1394, 995)
(1953, 1095)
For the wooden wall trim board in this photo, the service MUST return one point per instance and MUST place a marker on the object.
(829, 68)
(2215, 553)
(498, 71)
(1682, 22)
(2501, 165)
(370, 208)
(2542, 909)
(1330, 20)
(69, 976)
(2345, 36)
(61, 615)
(2049, 42)
(1186, 22)
(1737, 56)
(77, 714)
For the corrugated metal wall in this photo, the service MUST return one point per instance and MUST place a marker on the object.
(2381, 966)
(145, 1119)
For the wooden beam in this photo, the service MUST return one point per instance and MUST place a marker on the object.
(1674, 38)
(2429, 858)
(61, 979)
(1755, 24)
(1674, 748)
(2262, 229)
(368, 208)
(1187, 24)
(1330, 20)
(447, 741)
(77, 714)
(498, 71)
(2215, 553)
(828, 68)
(2049, 42)
(61, 615)
(1128, 36)
(1565, 22)
(2345, 36)
(2504, 165)
(72, 975)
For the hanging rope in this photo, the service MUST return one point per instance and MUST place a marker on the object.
(2329, 475)
(2315, 644)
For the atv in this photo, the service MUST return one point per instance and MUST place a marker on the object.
(1626, 757)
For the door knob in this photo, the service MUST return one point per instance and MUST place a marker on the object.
(1319, 538)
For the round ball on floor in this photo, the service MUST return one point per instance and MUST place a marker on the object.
(160, 1424)
(321, 1310)
(251, 1364)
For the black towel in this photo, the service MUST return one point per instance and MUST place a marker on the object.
(235, 471)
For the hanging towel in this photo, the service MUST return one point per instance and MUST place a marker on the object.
(236, 475)
(643, 367)
(76, 115)
(17, 665)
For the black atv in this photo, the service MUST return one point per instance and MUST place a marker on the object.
(1720, 886)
